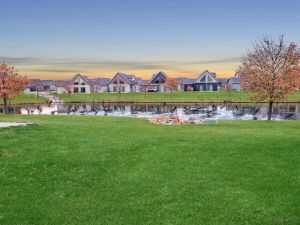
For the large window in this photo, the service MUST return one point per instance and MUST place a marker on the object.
(75, 90)
(82, 90)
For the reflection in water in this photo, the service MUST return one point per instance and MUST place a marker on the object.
(225, 111)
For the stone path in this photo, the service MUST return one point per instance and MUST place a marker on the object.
(51, 98)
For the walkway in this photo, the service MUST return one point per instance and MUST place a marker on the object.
(51, 98)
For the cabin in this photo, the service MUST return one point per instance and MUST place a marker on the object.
(157, 83)
(80, 84)
(206, 82)
(234, 84)
(122, 82)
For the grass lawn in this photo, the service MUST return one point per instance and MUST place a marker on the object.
(27, 98)
(101, 170)
(163, 97)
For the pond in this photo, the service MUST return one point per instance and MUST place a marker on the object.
(213, 111)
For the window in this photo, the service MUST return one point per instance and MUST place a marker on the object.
(209, 79)
(121, 82)
(75, 90)
(115, 82)
(75, 83)
(122, 89)
(82, 90)
(115, 89)
(82, 83)
(203, 79)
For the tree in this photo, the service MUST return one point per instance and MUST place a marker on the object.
(68, 87)
(227, 88)
(146, 88)
(171, 84)
(11, 84)
(270, 70)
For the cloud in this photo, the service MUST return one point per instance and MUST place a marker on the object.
(73, 65)
(86, 63)
(59, 70)
(217, 61)
(19, 60)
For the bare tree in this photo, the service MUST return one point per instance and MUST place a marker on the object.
(11, 84)
(227, 88)
(270, 70)
(172, 84)
(68, 87)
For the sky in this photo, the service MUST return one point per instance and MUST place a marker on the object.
(55, 39)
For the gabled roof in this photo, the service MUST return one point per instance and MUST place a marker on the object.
(207, 76)
(234, 80)
(184, 80)
(160, 73)
(144, 82)
(128, 78)
(222, 80)
(61, 83)
(85, 78)
(48, 82)
(35, 82)
(100, 81)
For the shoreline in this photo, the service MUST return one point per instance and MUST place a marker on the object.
(155, 102)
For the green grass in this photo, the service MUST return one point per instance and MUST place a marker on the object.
(100, 170)
(27, 98)
(163, 97)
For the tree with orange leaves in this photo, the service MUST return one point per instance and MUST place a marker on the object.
(270, 70)
(11, 84)
(171, 84)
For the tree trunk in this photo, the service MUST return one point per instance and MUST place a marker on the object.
(5, 106)
(270, 110)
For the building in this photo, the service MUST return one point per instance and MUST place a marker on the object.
(49, 85)
(144, 85)
(234, 84)
(62, 86)
(80, 84)
(99, 85)
(206, 82)
(222, 83)
(157, 83)
(185, 84)
(122, 82)
(34, 85)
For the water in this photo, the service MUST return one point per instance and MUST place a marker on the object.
(213, 111)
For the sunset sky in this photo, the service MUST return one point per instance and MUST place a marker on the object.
(54, 39)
